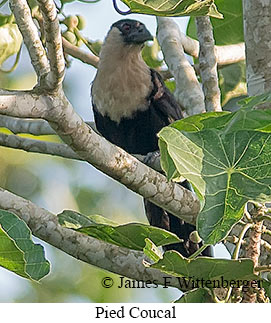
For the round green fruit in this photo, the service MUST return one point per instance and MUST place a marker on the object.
(81, 22)
(71, 22)
(70, 37)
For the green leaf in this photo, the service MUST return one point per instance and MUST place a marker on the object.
(226, 31)
(167, 164)
(171, 85)
(200, 295)
(95, 46)
(131, 235)
(266, 284)
(253, 101)
(10, 41)
(4, 19)
(152, 251)
(205, 268)
(232, 81)
(174, 7)
(18, 253)
(150, 54)
(227, 159)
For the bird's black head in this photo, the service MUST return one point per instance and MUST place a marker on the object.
(133, 31)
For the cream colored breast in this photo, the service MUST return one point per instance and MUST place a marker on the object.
(123, 80)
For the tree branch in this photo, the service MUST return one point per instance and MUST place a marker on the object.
(230, 54)
(76, 52)
(41, 127)
(106, 157)
(31, 38)
(225, 55)
(53, 43)
(38, 146)
(208, 65)
(45, 226)
(188, 90)
(33, 127)
(257, 29)
(23, 104)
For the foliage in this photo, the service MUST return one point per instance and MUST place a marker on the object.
(228, 31)
(18, 253)
(226, 156)
(10, 37)
(227, 159)
(174, 8)
(210, 269)
(131, 235)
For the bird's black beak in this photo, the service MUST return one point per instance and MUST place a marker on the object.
(139, 35)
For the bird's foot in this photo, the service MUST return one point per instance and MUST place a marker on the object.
(152, 160)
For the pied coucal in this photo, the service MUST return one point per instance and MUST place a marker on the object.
(131, 105)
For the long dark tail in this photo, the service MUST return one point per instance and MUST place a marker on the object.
(162, 219)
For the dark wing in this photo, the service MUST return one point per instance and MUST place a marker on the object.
(169, 110)
(163, 100)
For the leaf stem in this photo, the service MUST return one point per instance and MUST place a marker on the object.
(199, 251)
(15, 64)
(262, 268)
(235, 254)
(265, 217)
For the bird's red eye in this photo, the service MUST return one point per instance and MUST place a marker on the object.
(126, 27)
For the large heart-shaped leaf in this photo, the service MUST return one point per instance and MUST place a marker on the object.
(18, 253)
(174, 7)
(199, 270)
(131, 235)
(227, 157)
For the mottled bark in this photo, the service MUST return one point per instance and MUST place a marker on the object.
(45, 226)
(257, 31)
(188, 90)
(208, 64)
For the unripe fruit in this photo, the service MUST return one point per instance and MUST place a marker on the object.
(71, 22)
(70, 37)
(194, 237)
(81, 22)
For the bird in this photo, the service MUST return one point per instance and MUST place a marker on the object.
(131, 104)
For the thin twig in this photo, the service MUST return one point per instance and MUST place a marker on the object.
(199, 251)
(235, 254)
(240, 240)
(262, 268)
(76, 52)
